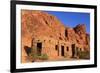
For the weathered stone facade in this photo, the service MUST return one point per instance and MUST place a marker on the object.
(46, 34)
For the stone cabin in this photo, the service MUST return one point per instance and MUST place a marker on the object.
(56, 49)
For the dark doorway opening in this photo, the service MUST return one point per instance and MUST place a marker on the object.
(77, 51)
(73, 50)
(57, 49)
(62, 50)
(39, 48)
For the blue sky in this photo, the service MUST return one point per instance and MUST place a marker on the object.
(72, 19)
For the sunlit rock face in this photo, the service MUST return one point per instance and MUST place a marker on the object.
(39, 26)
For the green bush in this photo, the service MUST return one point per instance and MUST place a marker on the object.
(41, 57)
(44, 57)
(34, 56)
(84, 54)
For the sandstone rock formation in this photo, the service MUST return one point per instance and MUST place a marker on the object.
(39, 23)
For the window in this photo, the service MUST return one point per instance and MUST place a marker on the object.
(56, 47)
(62, 50)
(67, 48)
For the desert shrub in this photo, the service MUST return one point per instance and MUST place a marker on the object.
(34, 56)
(44, 57)
(41, 57)
(84, 54)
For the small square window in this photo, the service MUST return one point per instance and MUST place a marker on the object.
(56, 47)
(67, 48)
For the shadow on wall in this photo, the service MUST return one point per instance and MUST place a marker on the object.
(27, 50)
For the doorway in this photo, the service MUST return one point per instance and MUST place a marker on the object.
(62, 50)
(39, 48)
(73, 50)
